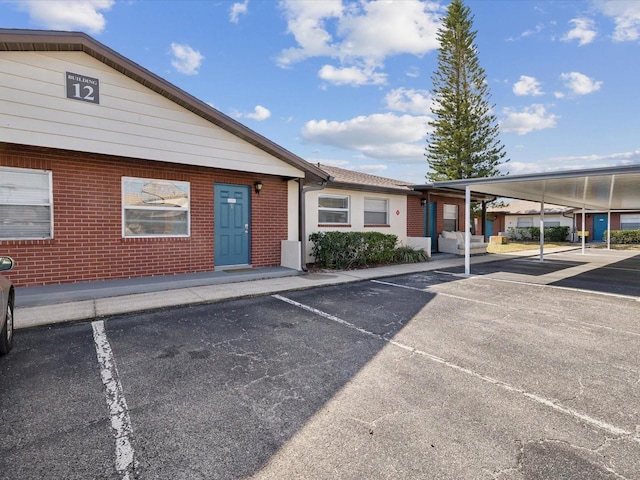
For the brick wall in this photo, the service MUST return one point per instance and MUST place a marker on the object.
(415, 217)
(88, 243)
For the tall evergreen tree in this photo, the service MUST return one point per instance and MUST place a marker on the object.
(464, 142)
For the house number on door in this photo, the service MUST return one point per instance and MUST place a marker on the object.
(81, 87)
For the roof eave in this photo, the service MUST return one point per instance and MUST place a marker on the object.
(372, 188)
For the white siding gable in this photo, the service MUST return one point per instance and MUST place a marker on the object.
(130, 121)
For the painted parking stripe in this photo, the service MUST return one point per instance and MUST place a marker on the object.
(505, 386)
(117, 404)
(473, 300)
(540, 285)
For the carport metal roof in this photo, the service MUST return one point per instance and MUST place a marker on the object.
(610, 188)
(600, 189)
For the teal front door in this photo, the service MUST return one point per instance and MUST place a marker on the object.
(231, 225)
(430, 226)
(489, 231)
(599, 226)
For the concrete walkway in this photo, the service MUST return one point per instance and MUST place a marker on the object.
(37, 306)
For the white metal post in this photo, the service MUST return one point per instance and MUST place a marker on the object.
(467, 229)
(542, 231)
(583, 229)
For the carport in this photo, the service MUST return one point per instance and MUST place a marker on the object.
(606, 189)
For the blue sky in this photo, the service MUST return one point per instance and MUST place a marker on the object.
(347, 83)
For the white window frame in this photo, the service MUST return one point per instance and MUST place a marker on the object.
(335, 209)
(129, 187)
(367, 209)
(524, 222)
(9, 198)
(634, 221)
(450, 212)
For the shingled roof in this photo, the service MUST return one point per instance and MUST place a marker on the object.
(363, 181)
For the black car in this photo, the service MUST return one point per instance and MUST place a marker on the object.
(7, 299)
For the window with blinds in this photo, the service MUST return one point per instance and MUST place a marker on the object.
(26, 204)
(333, 209)
(629, 222)
(450, 217)
(376, 211)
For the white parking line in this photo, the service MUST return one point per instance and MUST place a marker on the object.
(473, 300)
(118, 410)
(540, 285)
(532, 396)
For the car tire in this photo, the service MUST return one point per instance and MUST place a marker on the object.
(6, 336)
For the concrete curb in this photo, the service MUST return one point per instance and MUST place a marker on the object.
(83, 310)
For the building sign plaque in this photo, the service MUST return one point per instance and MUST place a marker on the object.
(81, 87)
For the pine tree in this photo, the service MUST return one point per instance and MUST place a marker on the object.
(464, 142)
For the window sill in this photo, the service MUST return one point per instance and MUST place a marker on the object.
(377, 226)
(334, 225)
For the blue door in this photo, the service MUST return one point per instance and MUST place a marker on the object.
(599, 227)
(231, 231)
(489, 224)
(430, 230)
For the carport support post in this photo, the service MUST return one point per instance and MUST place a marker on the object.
(583, 228)
(467, 235)
(542, 231)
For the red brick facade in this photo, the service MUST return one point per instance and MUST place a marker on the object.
(415, 217)
(88, 243)
(415, 220)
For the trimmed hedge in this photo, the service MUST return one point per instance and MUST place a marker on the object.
(624, 236)
(344, 250)
(551, 234)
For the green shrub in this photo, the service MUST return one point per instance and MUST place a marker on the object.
(406, 254)
(344, 250)
(552, 234)
(624, 236)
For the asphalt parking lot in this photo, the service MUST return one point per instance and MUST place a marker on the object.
(528, 371)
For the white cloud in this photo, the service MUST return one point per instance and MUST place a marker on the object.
(351, 76)
(626, 16)
(583, 30)
(576, 162)
(84, 15)
(595, 161)
(538, 28)
(527, 86)
(372, 30)
(528, 120)
(306, 21)
(359, 34)
(528, 33)
(185, 59)
(579, 83)
(418, 102)
(259, 113)
(413, 72)
(238, 9)
(385, 136)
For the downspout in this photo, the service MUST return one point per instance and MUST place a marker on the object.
(302, 218)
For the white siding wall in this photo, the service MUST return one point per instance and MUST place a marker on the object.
(292, 212)
(130, 121)
(511, 221)
(397, 222)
